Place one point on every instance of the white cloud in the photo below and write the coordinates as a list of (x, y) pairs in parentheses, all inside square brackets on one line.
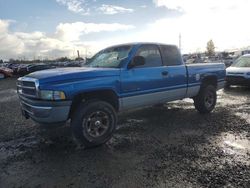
[(4, 24), (76, 6), (73, 31), (64, 42), (224, 21), (82, 7), (200, 6), (112, 9)]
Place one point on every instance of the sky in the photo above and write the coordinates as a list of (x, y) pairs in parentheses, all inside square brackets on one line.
[(48, 29)]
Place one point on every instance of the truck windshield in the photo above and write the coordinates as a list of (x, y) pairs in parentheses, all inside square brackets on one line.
[(110, 57), (242, 62)]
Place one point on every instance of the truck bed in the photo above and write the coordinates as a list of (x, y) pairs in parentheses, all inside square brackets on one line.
[(197, 72)]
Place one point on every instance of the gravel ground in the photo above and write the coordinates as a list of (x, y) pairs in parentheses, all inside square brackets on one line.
[(163, 146)]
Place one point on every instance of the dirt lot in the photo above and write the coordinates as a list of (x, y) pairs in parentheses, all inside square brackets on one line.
[(164, 146)]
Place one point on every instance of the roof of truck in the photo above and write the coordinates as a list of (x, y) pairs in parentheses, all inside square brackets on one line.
[(140, 43)]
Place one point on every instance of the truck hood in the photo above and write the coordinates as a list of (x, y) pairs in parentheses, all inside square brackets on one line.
[(72, 73), (238, 71)]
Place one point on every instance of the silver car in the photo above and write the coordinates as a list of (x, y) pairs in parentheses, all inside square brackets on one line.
[(239, 72)]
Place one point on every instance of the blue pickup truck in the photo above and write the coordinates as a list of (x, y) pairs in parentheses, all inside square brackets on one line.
[(116, 79)]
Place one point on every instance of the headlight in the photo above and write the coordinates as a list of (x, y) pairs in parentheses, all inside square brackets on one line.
[(52, 95), (59, 95)]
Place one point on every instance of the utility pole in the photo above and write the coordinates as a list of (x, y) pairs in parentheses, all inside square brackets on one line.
[(180, 42), (78, 54)]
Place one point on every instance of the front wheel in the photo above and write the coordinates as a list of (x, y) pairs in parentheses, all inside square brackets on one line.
[(93, 122), (205, 101)]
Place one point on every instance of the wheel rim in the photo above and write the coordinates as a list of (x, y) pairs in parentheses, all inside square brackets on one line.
[(209, 99), (97, 124)]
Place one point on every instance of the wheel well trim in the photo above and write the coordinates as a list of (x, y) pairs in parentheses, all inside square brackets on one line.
[(79, 96)]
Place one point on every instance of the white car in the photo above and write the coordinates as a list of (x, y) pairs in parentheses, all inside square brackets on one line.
[(239, 72)]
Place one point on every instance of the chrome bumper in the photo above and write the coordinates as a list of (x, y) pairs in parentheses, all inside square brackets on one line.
[(45, 112)]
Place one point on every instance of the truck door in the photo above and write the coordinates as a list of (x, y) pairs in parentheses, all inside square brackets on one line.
[(176, 79), (145, 84)]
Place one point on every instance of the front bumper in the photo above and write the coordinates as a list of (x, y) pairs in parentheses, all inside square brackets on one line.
[(45, 112), (238, 80)]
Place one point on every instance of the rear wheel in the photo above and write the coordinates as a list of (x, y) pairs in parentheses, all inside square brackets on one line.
[(94, 122), (205, 101)]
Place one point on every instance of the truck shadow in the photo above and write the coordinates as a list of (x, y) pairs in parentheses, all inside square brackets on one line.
[(171, 124), (167, 124)]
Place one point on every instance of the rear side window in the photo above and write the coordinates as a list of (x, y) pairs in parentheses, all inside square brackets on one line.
[(170, 55), (151, 54)]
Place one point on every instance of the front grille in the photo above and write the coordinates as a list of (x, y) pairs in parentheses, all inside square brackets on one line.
[(236, 78), (27, 88), (29, 84), (236, 73), (28, 91)]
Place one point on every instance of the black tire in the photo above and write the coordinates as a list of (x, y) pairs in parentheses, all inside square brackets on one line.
[(93, 122), (205, 101)]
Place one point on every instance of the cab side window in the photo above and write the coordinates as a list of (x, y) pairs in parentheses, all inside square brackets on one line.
[(170, 55), (151, 54)]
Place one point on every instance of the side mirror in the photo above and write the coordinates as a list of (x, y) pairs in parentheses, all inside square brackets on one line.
[(137, 61)]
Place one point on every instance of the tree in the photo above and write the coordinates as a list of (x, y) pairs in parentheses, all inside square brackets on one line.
[(1, 61), (210, 48), (63, 59), (11, 60)]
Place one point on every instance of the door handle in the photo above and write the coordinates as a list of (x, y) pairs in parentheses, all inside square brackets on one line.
[(164, 73)]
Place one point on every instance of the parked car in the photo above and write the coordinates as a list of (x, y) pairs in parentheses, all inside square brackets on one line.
[(73, 64), (21, 69), (15, 68), (38, 67), (29, 68), (239, 72), (5, 72), (116, 79), (228, 61)]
